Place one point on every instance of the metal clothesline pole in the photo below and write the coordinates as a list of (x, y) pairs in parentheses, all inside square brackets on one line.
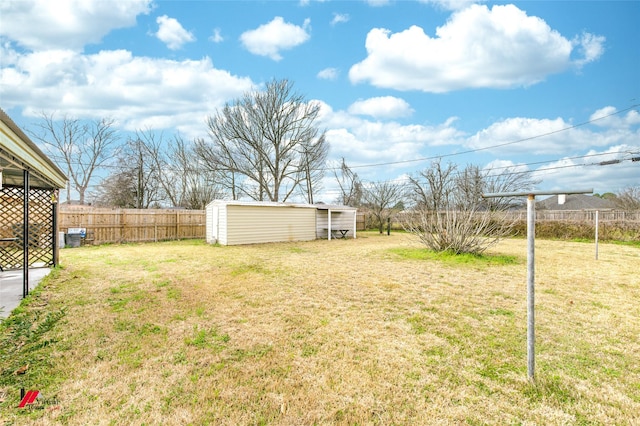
[(531, 235), (531, 295)]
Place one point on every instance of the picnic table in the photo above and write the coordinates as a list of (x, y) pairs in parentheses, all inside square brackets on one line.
[(343, 233), (338, 233)]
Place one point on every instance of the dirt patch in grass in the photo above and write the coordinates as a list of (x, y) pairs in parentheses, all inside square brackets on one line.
[(366, 331)]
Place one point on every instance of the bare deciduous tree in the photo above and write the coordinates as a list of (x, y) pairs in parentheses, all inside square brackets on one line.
[(628, 198), (194, 185), (139, 164), (350, 186), (82, 147), (381, 199), (155, 171), (117, 190), (157, 182), (313, 157), (266, 144), (207, 157)]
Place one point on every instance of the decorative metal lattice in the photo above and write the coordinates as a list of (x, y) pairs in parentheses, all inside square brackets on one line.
[(41, 232)]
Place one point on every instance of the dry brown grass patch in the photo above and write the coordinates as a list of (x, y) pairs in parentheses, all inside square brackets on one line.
[(340, 332)]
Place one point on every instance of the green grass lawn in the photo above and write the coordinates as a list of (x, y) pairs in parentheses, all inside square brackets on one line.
[(368, 331)]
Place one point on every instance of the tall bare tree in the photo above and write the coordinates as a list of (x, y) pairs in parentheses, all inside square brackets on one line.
[(156, 181), (382, 201), (140, 165), (266, 144), (193, 184), (79, 147), (118, 189), (628, 198), (351, 191), (227, 177), (313, 157), (155, 171), (136, 179)]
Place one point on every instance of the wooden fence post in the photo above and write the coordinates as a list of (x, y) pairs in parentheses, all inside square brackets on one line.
[(177, 225), (123, 232)]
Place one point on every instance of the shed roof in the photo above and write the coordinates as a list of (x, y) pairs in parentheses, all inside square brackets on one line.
[(279, 204), (18, 153)]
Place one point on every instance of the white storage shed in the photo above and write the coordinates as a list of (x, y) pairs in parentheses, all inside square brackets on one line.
[(251, 222)]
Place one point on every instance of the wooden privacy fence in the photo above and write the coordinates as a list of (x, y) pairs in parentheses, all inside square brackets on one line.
[(623, 219), (360, 221), (132, 225), (579, 215)]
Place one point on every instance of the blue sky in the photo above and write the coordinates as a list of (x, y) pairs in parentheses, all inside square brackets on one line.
[(547, 86)]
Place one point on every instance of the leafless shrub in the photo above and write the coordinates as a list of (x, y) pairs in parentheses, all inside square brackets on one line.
[(458, 231), (450, 213)]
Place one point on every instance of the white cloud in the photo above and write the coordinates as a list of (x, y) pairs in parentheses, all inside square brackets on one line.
[(136, 91), (271, 38), (171, 33), (496, 167), (520, 135), (591, 47), (374, 142), (382, 107), (328, 74), (609, 117), (524, 135), (577, 173), (478, 47), (340, 18), (363, 141), (66, 24), (217, 36)]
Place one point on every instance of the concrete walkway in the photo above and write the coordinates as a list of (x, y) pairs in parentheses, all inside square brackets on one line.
[(11, 287)]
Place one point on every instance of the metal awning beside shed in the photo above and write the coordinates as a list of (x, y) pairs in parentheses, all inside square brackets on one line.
[(28, 202), (340, 220)]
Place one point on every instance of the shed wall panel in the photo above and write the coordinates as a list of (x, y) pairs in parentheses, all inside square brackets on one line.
[(265, 224), (212, 224), (222, 224)]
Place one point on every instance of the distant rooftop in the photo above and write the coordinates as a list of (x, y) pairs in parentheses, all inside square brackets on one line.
[(576, 202)]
